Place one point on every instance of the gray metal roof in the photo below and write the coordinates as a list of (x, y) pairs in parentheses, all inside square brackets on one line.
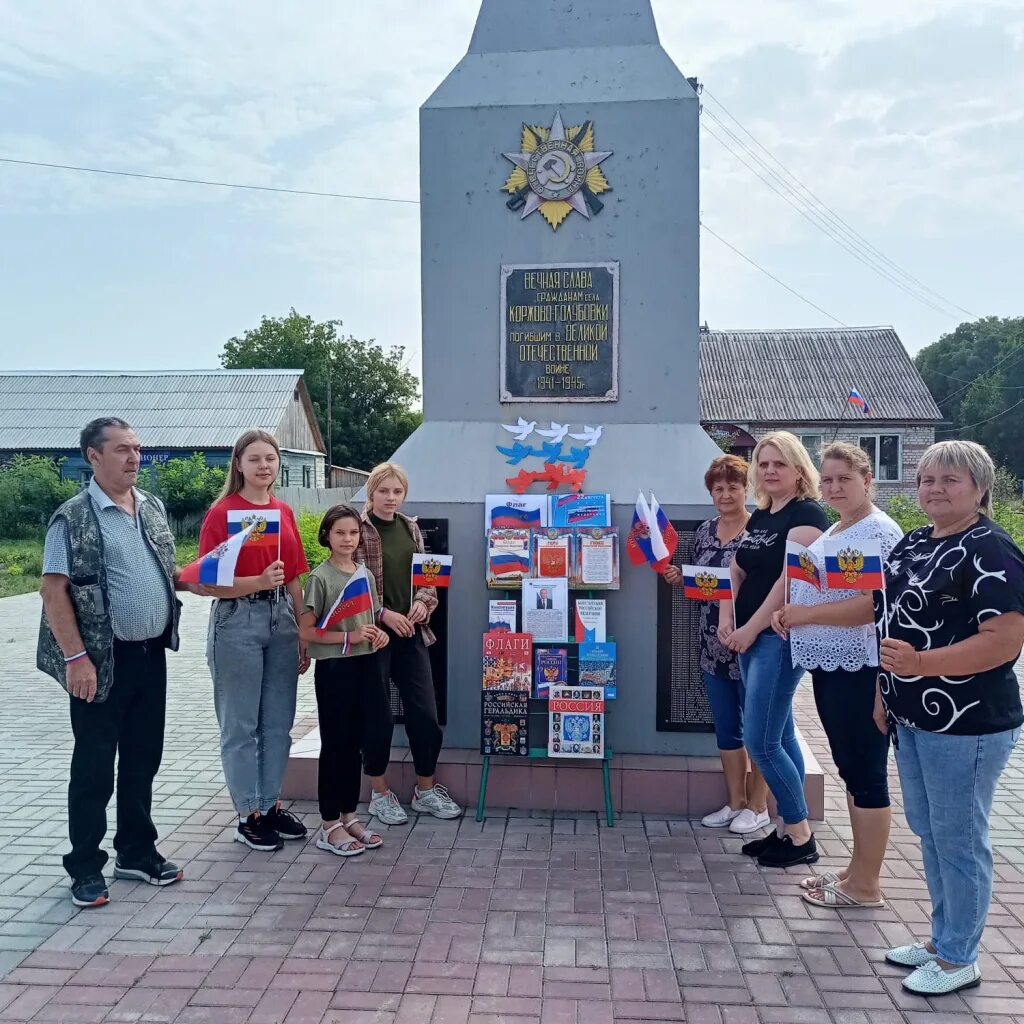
[(174, 409), (806, 375)]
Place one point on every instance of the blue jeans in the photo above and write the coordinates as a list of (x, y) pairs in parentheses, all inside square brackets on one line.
[(769, 681), (726, 699), (948, 785), (252, 649)]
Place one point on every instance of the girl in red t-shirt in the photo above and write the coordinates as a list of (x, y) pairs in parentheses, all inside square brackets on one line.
[(253, 646)]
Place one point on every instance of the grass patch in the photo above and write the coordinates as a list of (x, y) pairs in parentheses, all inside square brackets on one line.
[(21, 565)]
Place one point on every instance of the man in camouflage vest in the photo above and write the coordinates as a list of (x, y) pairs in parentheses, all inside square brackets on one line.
[(109, 615)]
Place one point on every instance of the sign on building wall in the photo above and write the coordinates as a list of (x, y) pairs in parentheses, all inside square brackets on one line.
[(560, 332)]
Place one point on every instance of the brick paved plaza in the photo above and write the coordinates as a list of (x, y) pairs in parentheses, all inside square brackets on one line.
[(552, 919)]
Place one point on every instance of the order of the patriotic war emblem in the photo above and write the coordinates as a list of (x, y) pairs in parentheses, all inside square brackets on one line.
[(557, 171)]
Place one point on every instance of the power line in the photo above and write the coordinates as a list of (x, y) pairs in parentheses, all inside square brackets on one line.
[(835, 217), (203, 181), (968, 426), (811, 215), (767, 273), (998, 364)]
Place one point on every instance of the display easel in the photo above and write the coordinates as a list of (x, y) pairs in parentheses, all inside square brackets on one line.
[(541, 753)]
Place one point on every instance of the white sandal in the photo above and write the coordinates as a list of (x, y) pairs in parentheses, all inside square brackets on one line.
[(370, 840), (835, 899), (819, 881), (350, 849)]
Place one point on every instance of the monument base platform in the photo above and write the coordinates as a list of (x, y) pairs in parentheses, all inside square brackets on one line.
[(652, 784)]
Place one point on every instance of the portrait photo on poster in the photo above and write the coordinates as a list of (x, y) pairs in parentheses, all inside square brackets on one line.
[(546, 608)]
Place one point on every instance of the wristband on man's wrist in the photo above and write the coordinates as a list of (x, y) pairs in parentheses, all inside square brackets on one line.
[(75, 657)]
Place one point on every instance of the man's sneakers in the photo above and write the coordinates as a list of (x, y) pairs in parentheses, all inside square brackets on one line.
[(89, 891), (152, 869), (749, 821), (386, 809), (435, 801), (257, 834), (284, 823)]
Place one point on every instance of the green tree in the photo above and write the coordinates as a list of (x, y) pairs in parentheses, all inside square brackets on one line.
[(187, 486), (976, 374), (373, 396), (30, 491)]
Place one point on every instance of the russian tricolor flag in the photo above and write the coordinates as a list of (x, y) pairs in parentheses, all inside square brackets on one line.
[(355, 598), (652, 538), (801, 565), (855, 565), (217, 567), (507, 563), (707, 583), (431, 570), (505, 517), (266, 526), (856, 399)]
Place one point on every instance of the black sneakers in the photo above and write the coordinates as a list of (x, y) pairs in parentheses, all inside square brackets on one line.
[(257, 834), (284, 823), (757, 846), (785, 853), (152, 869), (89, 891)]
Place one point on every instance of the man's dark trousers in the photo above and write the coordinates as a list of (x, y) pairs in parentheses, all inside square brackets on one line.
[(129, 724)]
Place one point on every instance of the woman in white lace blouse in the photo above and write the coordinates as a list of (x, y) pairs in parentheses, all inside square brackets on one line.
[(832, 635)]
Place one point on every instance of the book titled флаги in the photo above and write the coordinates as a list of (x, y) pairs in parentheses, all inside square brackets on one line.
[(507, 663)]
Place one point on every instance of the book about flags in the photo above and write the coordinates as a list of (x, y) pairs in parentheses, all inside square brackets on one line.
[(431, 570), (801, 565), (707, 583), (854, 565), (264, 526), (353, 599), (217, 567), (652, 538)]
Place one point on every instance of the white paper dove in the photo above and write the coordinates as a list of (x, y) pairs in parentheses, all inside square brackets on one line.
[(556, 432), (590, 436), (522, 430)]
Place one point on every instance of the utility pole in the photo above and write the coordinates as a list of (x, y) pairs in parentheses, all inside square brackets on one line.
[(330, 458)]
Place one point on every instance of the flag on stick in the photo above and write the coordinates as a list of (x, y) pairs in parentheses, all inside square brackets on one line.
[(217, 567), (854, 565), (355, 598), (265, 526), (666, 533), (707, 583), (652, 538), (638, 544), (801, 565), (856, 399)]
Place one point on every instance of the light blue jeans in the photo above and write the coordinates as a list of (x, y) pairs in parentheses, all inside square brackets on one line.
[(253, 652), (769, 682), (948, 785)]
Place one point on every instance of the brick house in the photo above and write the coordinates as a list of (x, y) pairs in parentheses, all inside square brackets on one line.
[(752, 382)]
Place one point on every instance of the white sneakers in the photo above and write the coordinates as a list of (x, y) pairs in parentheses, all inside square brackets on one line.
[(740, 822), (749, 821), (386, 809), (719, 818)]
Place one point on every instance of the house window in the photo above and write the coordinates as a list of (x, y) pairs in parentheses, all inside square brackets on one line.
[(813, 443), (307, 476), (284, 476), (885, 453)]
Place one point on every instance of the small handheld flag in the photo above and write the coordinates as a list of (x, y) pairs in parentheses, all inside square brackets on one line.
[(707, 583), (431, 570), (801, 565), (666, 532), (355, 598), (265, 526), (652, 538), (854, 565), (856, 399), (217, 567), (638, 544)]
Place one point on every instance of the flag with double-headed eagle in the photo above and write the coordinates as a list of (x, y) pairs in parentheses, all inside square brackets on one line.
[(707, 583), (354, 599), (265, 523), (854, 565), (431, 570), (801, 565), (217, 567), (652, 538)]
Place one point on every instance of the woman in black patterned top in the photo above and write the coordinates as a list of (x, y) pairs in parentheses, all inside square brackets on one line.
[(714, 545), (952, 628)]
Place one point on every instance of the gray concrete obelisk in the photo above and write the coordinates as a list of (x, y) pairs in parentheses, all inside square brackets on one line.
[(555, 64)]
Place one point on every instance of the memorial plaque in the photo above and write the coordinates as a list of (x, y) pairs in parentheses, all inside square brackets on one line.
[(560, 332)]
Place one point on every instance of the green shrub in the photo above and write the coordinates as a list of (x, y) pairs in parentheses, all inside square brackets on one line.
[(187, 487), (309, 527), (30, 491), (907, 513)]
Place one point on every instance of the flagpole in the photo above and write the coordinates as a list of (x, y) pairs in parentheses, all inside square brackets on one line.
[(841, 418)]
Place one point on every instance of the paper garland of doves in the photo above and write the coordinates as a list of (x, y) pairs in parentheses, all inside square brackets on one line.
[(559, 468)]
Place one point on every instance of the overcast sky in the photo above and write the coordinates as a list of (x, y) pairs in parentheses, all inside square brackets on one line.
[(905, 116)]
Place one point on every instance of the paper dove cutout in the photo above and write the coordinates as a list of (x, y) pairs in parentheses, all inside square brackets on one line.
[(556, 433), (591, 435), (522, 429)]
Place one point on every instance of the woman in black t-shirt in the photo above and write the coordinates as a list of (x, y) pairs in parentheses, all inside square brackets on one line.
[(953, 630), (785, 486)]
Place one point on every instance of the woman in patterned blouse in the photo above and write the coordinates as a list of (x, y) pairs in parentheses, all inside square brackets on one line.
[(952, 629), (714, 545)]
